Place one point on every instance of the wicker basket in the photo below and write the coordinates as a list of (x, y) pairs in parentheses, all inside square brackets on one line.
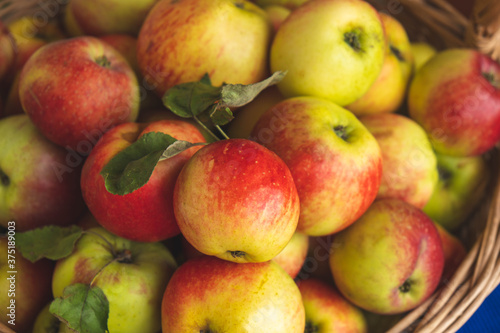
[(440, 24)]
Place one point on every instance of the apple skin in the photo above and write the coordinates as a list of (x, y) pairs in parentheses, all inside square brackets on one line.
[(32, 287), (236, 200), (277, 14), (461, 186), (293, 255), (150, 204), (135, 284), (247, 116), (46, 322), (7, 51), (127, 46), (454, 253), (290, 4), (103, 17), (422, 52), (409, 163), (207, 294), (455, 103), (327, 311), (312, 44), (388, 91), (73, 99), (390, 260), (337, 179), (181, 41), (38, 185)]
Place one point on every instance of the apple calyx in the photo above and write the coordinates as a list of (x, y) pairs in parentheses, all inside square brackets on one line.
[(492, 79), (353, 39), (124, 257), (311, 328), (444, 175), (4, 179), (103, 61), (397, 53), (341, 132), (237, 254), (406, 286)]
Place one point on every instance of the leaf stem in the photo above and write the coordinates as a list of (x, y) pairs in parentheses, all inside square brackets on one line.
[(206, 128), (222, 132)]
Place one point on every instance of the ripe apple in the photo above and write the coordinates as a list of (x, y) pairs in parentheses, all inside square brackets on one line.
[(127, 46), (293, 255), (327, 310), (454, 252), (290, 4), (247, 116), (7, 51), (388, 91), (82, 96), (151, 205), (461, 186), (25, 286), (181, 41), (455, 97), (409, 163), (207, 294), (236, 200), (332, 49), (422, 52), (135, 279), (335, 162), (390, 260), (277, 14), (39, 184), (46, 322), (102, 17)]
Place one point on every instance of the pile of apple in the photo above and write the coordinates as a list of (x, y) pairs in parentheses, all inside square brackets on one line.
[(229, 166)]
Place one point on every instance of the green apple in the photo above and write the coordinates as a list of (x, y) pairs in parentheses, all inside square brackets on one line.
[(132, 275), (46, 322), (335, 162), (332, 49), (328, 311), (409, 163), (422, 52), (207, 294), (25, 285), (102, 17), (390, 260), (461, 186), (39, 181), (389, 89), (236, 200), (181, 41)]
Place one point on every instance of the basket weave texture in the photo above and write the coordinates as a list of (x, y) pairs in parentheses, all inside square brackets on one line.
[(442, 25)]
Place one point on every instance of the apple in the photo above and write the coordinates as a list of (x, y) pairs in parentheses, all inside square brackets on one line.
[(455, 97), (135, 277), (152, 203), (39, 181), (181, 41), (207, 294), (327, 310), (388, 91), (236, 200), (335, 162), (461, 186), (422, 52), (454, 252), (247, 116), (127, 46), (76, 100), (294, 254), (46, 322), (7, 51), (409, 163), (25, 286), (390, 260), (290, 4), (103, 17), (277, 14), (332, 49)]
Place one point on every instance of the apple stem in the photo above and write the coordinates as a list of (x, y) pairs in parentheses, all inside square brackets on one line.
[(222, 132), (111, 247), (103, 61)]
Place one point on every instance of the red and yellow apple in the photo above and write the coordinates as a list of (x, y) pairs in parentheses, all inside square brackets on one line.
[(294, 254)]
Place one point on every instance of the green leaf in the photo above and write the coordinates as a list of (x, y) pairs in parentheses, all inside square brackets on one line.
[(131, 168), (221, 116), (178, 147), (236, 95), (189, 99), (82, 308), (50, 242)]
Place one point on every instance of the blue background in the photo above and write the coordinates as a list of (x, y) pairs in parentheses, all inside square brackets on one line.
[(487, 317)]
